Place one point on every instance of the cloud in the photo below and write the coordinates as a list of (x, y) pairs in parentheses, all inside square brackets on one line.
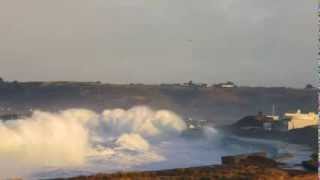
[(149, 41)]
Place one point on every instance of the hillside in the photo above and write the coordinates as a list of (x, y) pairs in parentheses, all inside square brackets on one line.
[(218, 105)]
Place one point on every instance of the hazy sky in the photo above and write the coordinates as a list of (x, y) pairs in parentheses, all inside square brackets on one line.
[(251, 42)]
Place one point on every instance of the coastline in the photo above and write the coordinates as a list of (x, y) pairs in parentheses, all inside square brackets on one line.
[(274, 149)]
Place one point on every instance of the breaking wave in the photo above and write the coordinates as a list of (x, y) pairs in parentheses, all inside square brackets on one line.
[(80, 142), (79, 137)]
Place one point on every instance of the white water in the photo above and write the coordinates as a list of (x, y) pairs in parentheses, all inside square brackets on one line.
[(77, 142)]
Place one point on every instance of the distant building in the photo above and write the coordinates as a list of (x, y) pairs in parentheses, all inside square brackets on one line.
[(301, 120), (274, 123), (195, 85), (228, 84), (273, 116), (296, 120)]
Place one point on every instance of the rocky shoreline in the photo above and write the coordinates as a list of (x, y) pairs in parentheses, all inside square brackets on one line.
[(249, 167)]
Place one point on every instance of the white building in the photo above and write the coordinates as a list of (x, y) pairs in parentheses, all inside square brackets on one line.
[(275, 118), (300, 120), (228, 86)]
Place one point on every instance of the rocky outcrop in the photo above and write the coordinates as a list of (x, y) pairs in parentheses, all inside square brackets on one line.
[(306, 136), (258, 159), (252, 167), (312, 164)]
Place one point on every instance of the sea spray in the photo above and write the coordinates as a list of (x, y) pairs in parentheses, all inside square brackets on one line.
[(72, 138)]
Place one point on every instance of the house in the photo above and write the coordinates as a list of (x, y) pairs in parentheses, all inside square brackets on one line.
[(296, 120), (273, 116), (228, 84), (300, 120), (273, 123)]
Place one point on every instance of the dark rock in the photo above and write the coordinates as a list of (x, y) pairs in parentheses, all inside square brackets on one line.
[(257, 159), (312, 164)]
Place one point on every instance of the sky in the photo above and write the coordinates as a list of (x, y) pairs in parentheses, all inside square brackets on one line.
[(250, 42)]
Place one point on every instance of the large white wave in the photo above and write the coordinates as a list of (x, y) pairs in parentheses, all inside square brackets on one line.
[(78, 141), (78, 137)]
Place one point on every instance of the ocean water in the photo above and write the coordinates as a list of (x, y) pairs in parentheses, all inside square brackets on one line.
[(81, 142)]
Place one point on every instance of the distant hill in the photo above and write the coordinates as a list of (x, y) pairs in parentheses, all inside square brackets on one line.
[(215, 104)]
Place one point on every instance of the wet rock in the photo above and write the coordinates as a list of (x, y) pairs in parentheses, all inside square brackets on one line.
[(311, 164), (246, 167)]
